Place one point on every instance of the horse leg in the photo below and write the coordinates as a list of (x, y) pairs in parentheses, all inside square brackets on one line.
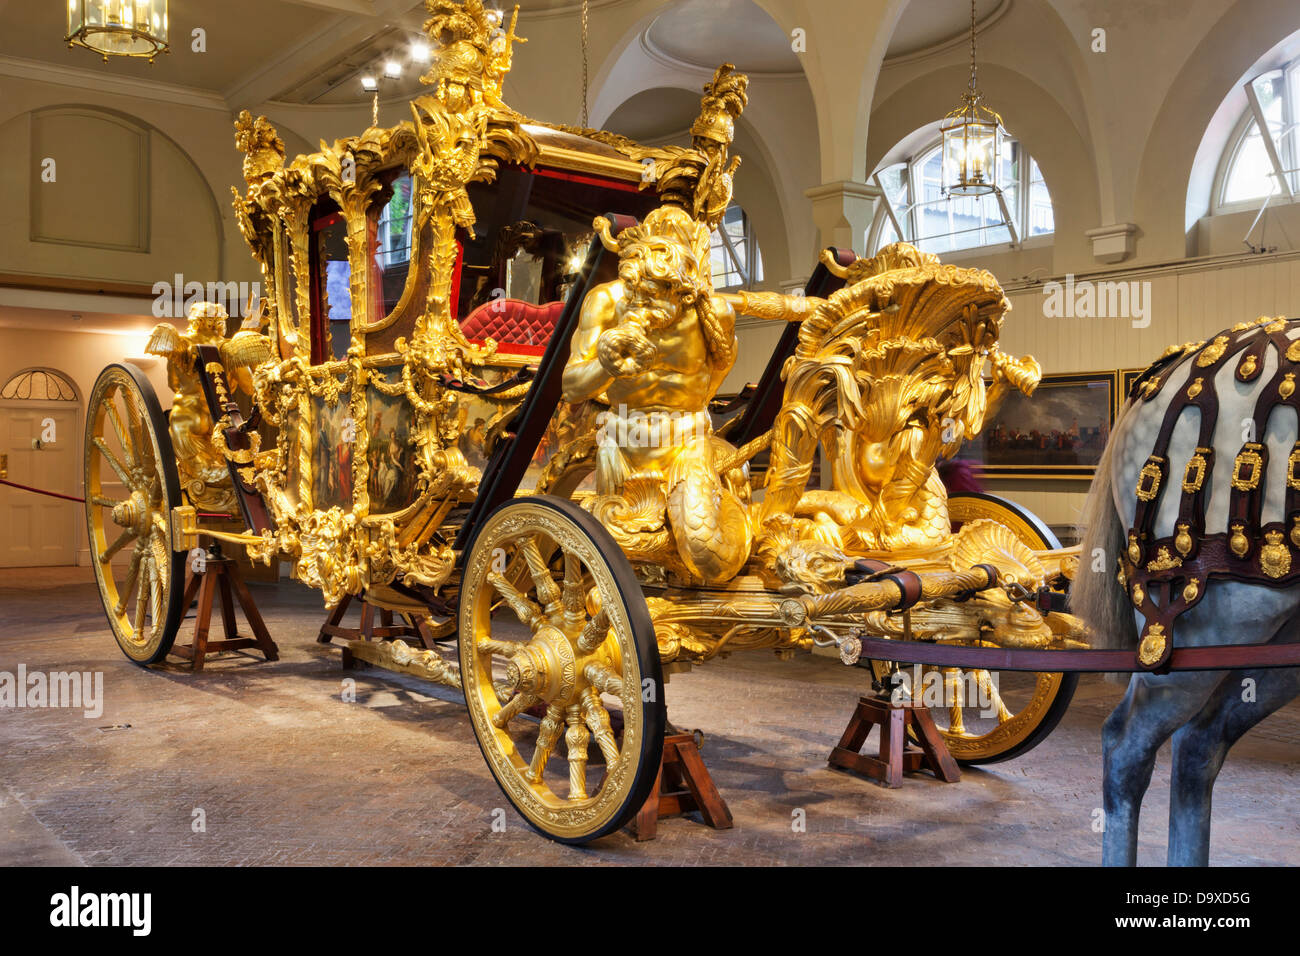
[(1154, 706), (1201, 746)]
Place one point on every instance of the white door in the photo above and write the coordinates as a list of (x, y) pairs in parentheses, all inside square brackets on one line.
[(36, 530)]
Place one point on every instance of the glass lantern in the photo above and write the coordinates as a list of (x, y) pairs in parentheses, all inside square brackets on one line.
[(972, 146), (134, 28)]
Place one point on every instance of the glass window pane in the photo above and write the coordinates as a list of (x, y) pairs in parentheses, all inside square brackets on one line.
[(1041, 218), (893, 180), (726, 263), (1250, 175), (390, 245), (332, 272), (888, 234)]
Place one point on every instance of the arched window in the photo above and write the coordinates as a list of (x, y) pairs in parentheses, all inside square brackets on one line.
[(736, 261), (1262, 156), (916, 209), (39, 385)]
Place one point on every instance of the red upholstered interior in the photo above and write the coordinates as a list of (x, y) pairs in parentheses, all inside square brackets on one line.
[(513, 322)]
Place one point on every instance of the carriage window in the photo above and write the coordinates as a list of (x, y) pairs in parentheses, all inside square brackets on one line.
[(390, 221), (531, 237), (331, 291)]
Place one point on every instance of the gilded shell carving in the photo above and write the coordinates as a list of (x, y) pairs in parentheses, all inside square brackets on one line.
[(988, 542)]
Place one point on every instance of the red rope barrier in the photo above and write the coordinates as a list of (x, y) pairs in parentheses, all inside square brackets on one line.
[(39, 491), (55, 494)]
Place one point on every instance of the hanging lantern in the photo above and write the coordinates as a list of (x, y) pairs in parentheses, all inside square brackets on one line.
[(136, 28), (972, 139)]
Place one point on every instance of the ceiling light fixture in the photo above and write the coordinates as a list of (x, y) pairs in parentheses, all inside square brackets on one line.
[(972, 139), (392, 69), (369, 83), (420, 51), (134, 28)]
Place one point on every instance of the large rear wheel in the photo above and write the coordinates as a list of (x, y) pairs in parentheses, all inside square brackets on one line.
[(553, 621), (131, 487)]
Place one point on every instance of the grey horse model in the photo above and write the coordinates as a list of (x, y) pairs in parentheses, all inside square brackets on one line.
[(1205, 712)]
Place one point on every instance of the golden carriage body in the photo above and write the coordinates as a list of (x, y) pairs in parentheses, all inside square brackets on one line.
[(477, 388)]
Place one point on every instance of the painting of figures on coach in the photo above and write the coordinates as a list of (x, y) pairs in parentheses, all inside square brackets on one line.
[(389, 452), (1059, 432), (331, 464)]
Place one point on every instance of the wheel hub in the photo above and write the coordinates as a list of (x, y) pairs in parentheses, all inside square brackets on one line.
[(545, 666), (133, 513)]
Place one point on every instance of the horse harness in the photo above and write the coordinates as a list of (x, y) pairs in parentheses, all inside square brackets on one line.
[(1166, 576)]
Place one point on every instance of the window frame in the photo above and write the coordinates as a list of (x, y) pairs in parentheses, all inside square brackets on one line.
[(1018, 226), (750, 272), (1288, 149)]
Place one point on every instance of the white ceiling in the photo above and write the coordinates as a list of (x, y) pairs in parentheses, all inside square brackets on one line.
[(701, 32), (931, 23), (313, 51)]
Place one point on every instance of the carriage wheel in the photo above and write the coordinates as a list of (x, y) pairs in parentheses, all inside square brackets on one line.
[(131, 488), (1017, 710), (552, 620)]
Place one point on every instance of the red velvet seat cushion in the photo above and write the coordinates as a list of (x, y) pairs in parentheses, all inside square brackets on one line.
[(513, 322)]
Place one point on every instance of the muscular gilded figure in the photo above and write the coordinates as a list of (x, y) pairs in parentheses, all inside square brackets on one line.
[(655, 344), (202, 467)]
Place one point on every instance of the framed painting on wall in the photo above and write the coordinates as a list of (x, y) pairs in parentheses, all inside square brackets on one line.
[(1127, 376), (1058, 432)]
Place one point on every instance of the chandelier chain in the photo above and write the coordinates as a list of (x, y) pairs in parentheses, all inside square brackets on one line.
[(972, 46), (584, 64)]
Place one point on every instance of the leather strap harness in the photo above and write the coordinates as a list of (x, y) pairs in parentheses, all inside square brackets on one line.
[(1166, 576)]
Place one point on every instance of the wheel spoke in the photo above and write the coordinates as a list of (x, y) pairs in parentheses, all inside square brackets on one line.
[(516, 706), (597, 719), (132, 572), (984, 681), (117, 466), (104, 502), (158, 545), (106, 555), (527, 612), (155, 598), (548, 592), (488, 645), (128, 446), (136, 420), (576, 739), (547, 737), (594, 634), (574, 595), (139, 602), (603, 679), (952, 692)]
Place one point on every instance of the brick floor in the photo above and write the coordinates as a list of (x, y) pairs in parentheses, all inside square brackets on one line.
[(285, 772)]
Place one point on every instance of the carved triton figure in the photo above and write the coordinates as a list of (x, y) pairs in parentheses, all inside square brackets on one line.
[(655, 344)]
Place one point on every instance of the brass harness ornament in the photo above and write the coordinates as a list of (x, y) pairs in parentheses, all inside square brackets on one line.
[(1245, 548)]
